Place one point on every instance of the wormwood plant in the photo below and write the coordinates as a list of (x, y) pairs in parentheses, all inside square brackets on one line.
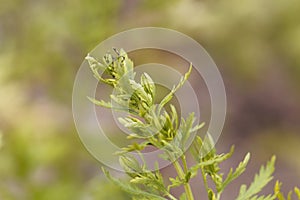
[(159, 126)]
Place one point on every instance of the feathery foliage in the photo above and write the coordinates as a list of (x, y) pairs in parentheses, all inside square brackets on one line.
[(151, 125), (260, 181)]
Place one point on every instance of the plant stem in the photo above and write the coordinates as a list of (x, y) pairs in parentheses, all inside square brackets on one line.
[(204, 180), (181, 175), (185, 168), (171, 196)]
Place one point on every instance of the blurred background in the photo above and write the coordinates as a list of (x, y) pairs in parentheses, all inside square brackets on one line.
[(255, 44)]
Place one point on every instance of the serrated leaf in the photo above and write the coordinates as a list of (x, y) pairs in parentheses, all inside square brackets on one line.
[(175, 182), (94, 64), (210, 164), (148, 85), (106, 104), (260, 180), (238, 171), (129, 188), (196, 147), (169, 96), (207, 149), (100, 102), (186, 128), (132, 147), (130, 165)]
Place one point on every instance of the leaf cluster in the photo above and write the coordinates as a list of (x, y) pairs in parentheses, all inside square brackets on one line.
[(151, 124)]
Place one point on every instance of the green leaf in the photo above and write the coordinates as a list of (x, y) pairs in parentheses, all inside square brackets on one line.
[(174, 116), (106, 104), (138, 128), (279, 194), (186, 128), (277, 191), (94, 64), (211, 195), (196, 147), (130, 165), (233, 175), (260, 180), (135, 191), (297, 192), (100, 102), (153, 181), (209, 163), (169, 96), (175, 182), (183, 196), (208, 147), (133, 147), (148, 85)]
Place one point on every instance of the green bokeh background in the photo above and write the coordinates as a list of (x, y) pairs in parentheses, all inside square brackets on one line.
[(256, 45)]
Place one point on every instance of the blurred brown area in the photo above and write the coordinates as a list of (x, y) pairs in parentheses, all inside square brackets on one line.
[(254, 43)]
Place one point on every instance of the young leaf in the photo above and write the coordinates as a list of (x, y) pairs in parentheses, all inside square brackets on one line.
[(148, 85), (169, 96), (297, 192), (277, 191), (175, 182), (211, 195), (233, 175), (100, 103), (279, 194), (135, 191), (131, 166), (260, 180)]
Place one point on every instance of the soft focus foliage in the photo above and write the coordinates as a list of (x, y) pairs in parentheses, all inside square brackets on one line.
[(255, 44)]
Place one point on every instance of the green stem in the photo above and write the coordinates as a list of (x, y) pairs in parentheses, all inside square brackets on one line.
[(181, 175), (204, 180), (218, 196), (185, 167), (171, 196)]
